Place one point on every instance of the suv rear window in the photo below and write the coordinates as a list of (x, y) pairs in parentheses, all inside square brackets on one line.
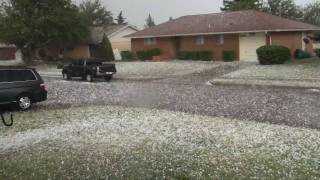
[(16, 75)]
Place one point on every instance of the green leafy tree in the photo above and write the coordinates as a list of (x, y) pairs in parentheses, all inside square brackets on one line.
[(283, 8), (39, 23), (236, 5), (96, 13), (120, 19), (105, 50), (150, 22), (312, 13)]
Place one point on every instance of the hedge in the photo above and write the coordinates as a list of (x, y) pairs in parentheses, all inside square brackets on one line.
[(195, 55), (126, 55), (301, 54), (148, 54), (228, 56), (317, 51), (273, 54)]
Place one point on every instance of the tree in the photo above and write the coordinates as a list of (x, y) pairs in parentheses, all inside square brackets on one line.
[(149, 22), (236, 5), (105, 51), (120, 19), (96, 13), (312, 13), (283, 8), (39, 23)]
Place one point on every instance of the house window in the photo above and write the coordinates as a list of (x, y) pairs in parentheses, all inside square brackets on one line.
[(150, 41), (220, 39), (200, 40)]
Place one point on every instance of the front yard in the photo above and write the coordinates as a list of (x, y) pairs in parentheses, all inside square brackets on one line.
[(131, 143), (306, 70)]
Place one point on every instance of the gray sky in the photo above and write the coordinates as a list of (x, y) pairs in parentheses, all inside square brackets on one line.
[(136, 11)]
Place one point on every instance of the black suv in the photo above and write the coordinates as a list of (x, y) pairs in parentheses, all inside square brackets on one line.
[(21, 86)]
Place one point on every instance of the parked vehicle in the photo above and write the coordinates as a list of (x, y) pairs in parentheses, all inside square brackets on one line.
[(21, 86), (88, 69)]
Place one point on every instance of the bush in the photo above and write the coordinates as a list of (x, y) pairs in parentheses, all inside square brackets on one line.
[(105, 51), (300, 54), (126, 55), (148, 54), (273, 54), (229, 56), (317, 51), (195, 55)]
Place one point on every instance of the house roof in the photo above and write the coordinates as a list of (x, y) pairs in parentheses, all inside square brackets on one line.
[(98, 32), (223, 23)]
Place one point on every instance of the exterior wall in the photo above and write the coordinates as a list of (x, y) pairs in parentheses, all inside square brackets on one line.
[(7, 53), (231, 42), (167, 45), (292, 40), (171, 45), (121, 46), (120, 42), (81, 51)]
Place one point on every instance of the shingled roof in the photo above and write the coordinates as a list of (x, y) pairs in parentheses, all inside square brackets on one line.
[(223, 23)]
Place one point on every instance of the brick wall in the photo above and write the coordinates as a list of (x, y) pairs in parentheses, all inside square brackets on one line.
[(170, 45), (231, 42), (7, 53), (167, 45), (291, 40)]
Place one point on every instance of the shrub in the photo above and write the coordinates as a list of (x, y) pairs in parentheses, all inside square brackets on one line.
[(229, 56), (273, 54), (148, 54), (195, 55), (317, 51), (126, 55), (205, 55), (105, 51), (301, 54)]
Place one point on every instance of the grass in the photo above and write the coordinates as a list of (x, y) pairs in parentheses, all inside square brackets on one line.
[(132, 143)]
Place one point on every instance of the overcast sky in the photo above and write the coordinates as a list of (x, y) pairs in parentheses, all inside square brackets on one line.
[(136, 11)]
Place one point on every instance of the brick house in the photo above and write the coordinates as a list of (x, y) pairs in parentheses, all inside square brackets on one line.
[(240, 31)]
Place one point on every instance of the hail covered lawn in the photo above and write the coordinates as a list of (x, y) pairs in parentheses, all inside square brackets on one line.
[(117, 142)]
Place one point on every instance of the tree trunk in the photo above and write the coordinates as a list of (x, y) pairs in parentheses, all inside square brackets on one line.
[(27, 55)]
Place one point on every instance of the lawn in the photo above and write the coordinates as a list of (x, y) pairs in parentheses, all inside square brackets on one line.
[(306, 70), (136, 143)]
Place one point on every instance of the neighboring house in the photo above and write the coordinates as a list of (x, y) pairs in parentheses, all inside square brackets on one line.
[(88, 48), (240, 31), (9, 53)]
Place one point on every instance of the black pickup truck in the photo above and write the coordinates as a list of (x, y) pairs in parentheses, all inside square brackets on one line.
[(88, 69)]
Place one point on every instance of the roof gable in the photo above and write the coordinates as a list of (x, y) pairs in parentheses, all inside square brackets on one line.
[(227, 22)]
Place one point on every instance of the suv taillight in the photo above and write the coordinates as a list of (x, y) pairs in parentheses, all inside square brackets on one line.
[(43, 87)]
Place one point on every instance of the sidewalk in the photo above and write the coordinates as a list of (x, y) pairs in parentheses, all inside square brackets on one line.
[(270, 83)]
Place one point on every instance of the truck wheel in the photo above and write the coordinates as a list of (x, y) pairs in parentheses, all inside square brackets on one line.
[(66, 76), (108, 77), (89, 78)]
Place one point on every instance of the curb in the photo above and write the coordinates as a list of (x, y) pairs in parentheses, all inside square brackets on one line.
[(267, 83)]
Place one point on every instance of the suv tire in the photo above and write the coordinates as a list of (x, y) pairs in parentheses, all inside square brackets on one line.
[(24, 102)]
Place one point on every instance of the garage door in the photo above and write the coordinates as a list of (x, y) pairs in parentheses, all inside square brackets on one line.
[(249, 43)]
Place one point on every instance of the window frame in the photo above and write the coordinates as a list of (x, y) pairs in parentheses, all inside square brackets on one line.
[(220, 39), (35, 76), (150, 41), (200, 40)]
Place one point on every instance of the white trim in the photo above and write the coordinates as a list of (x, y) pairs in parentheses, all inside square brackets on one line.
[(233, 32)]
